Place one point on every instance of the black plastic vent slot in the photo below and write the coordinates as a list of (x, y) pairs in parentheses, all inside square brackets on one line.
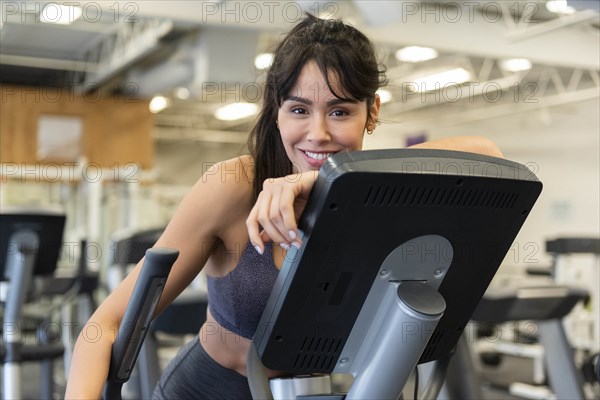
[(317, 353), (438, 197)]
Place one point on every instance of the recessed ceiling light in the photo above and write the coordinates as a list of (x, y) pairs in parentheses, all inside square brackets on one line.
[(263, 60), (235, 111), (53, 13), (384, 95), (416, 54), (516, 64), (182, 93), (439, 80), (158, 103), (559, 7)]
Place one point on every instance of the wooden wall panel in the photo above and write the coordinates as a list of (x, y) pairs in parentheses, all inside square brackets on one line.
[(115, 130)]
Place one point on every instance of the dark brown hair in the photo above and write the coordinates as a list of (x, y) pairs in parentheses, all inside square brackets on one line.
[(334, 47)]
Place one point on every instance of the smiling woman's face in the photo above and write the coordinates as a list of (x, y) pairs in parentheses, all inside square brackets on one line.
[(314, 123)]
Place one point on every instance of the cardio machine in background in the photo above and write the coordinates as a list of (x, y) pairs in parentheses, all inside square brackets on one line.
[(563, 360), (30, 243), (576, 262), (398, 248), (33, 291)]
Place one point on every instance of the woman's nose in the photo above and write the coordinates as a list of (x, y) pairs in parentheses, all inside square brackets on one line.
[(318, 130)]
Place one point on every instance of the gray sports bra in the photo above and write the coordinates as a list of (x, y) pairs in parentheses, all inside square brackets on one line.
[(237, 300)]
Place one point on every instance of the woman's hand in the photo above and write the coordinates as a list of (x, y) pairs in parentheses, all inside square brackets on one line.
[(278, 209)]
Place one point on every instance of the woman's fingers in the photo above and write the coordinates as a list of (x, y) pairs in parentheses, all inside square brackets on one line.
[(275, 211), (289, 226), (269, 216), (253, 230), (265, 214)]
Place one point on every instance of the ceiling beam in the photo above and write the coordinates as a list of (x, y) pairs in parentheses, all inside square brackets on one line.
[(483, 33), (475, 28), (47, 63)]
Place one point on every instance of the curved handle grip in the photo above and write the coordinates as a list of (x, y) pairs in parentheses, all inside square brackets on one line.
[(138, 316), (598, 367)]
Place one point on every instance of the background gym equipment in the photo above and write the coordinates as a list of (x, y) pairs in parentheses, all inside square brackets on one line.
[(137, 318), (546, 307), (30, 243), (184, 316), (576, 262), (398, 248), (127, 248), (561, 353)]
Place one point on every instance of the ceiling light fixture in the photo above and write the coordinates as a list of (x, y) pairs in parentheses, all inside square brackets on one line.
[(182, 93), (515, 64), (559, 7), (263, 60), (53, 13), (415, 54), (158, 103), (439, 80), (235, 111), (384, 95)]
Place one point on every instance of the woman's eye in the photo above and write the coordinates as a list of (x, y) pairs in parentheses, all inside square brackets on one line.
[(339, 113), (299, 110)]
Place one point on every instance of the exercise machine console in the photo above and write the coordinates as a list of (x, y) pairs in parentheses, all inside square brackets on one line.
[(398, 248)]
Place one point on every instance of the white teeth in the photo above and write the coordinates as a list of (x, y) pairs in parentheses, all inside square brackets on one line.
[(317, 156)]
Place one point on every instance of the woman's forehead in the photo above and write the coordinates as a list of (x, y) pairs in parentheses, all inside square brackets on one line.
[(311, 84)]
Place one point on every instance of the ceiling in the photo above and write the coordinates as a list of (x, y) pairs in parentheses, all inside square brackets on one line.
[(208, 47)]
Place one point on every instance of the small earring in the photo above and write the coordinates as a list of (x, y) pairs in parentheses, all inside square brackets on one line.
[(370, 131)]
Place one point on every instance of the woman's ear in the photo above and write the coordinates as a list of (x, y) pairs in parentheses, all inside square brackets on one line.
[(374, 113)]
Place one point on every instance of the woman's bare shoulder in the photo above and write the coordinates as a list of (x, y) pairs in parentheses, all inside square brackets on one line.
[(230, 177), (226, 187)]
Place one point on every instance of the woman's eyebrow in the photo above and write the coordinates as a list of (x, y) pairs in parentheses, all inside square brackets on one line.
[(332, 102), (299, 100)]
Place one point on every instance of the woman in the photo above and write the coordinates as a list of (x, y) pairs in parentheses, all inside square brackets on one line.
[(319, 99)]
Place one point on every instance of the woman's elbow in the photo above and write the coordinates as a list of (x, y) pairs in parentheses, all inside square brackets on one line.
[(489, 147)]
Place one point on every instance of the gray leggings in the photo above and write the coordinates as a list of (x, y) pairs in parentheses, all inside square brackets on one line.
[(193, 374)]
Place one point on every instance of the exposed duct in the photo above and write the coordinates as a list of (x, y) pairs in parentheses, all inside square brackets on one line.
[(212, 58)]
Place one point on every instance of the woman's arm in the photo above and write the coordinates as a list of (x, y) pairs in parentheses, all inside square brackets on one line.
[(470, 144), (193, 230)]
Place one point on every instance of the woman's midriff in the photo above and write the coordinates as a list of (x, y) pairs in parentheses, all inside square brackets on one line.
[(225, 347)]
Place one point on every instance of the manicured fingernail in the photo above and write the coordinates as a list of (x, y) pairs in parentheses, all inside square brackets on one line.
[(285, 246), (296, 245), (258, 249), (292, 234)]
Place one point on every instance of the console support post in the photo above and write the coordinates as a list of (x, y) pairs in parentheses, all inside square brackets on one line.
[(412, 316)]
